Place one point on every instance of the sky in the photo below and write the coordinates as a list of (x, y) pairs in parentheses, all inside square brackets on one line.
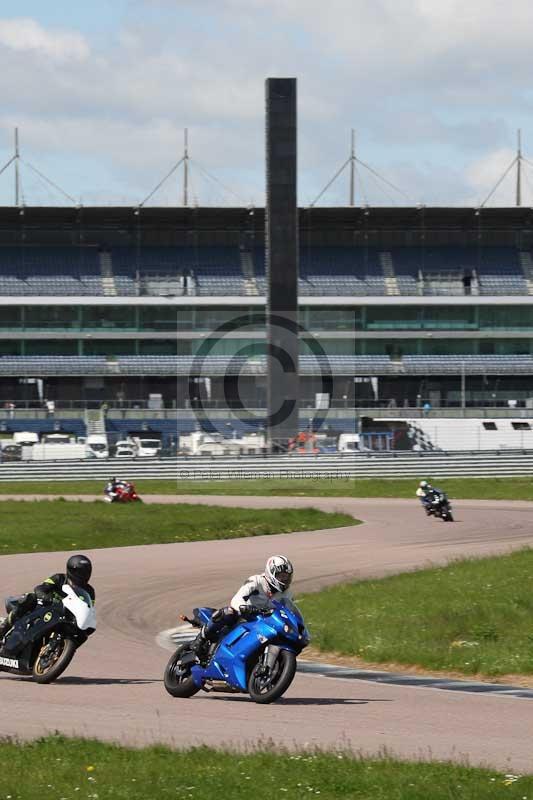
[(101, 93)]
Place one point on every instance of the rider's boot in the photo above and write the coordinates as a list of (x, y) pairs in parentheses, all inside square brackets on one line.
[(5, 625), (200, 645)]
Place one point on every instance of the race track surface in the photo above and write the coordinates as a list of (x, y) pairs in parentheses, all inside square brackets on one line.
[(113, 690)]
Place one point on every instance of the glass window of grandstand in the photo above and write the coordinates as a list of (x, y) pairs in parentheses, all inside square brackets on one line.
[(51, 317), (10, 317), (110, 349), (331, 347), (416, 318), (512, 347), (10, 347), (208, 319), (445, 347), (449, 317), (393, 318), (97, 317), (165, 318), (158, 347), (228, 347), (50, 347), (334, 319), (507, 317)]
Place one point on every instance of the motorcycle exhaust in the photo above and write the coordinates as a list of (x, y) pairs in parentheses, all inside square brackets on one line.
[(220, 686)]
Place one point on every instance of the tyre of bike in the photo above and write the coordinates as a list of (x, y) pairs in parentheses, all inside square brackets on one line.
[(267, 690), (53, 659), (179, 682)]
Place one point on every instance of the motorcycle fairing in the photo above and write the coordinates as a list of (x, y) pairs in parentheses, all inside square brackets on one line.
[(80, 605), (31, 627), (229, 662), (203, 615), (19, 664)]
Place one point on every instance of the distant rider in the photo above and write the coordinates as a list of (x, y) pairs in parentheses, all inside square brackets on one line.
[(425, 493), (111, 488), (254, 596), (78, 573)]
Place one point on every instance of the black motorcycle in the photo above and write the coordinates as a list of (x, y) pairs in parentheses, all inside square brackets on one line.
[(43, 642), (439, 506)]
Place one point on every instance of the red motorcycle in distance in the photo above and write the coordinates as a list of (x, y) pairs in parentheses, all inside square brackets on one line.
[(121, 492)]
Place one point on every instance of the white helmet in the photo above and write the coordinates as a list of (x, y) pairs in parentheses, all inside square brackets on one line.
[(424, 485), (279, 572)]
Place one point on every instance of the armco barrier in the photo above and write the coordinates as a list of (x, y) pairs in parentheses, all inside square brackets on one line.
[(363, 465)]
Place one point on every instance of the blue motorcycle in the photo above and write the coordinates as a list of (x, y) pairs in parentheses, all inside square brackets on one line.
[(256, 656)]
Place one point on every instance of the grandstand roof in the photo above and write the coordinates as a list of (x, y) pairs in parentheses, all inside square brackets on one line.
[(212, 218)]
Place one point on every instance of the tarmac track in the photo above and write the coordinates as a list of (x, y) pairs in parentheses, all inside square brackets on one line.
[(114, 691)]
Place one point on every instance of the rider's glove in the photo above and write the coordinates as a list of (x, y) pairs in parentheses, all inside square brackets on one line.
[(251, 611)]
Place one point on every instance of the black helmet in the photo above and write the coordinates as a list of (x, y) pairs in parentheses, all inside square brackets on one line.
[(79, 569)]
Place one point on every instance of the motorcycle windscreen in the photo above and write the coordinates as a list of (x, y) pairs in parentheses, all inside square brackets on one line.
[(81, 607)]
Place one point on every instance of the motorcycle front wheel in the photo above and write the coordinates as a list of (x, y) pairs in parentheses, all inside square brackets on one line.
[(53, 659), (267, 688), (179, 682)]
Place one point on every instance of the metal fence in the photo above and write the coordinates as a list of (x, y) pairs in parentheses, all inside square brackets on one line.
[(323, 466)]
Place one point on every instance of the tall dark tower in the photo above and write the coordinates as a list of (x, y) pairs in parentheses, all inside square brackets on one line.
[(281, 235)]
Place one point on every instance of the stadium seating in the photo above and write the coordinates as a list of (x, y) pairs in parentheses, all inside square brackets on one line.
[(469, 364), (50, 271), (190, 270), (217, 271)]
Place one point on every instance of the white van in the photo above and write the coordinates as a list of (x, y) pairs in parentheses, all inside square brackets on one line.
[(96, 446), (25, 438), (349, 443), (147, 448), (125, 448)]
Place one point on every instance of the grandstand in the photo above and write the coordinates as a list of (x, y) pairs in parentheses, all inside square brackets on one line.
[(398, 307)]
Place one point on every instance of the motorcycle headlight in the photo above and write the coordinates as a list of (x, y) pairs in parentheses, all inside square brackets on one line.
[(289, 630)]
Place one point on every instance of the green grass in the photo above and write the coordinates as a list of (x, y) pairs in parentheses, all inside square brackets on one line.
[(48, 525), (459, 488), (55, 767), (473, 616)]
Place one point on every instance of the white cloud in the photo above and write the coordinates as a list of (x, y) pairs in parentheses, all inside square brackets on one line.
[(435, 85), (26, 35)]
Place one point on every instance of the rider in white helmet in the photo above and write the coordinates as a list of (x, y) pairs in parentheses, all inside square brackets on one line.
[(254, 596), (424, 492)]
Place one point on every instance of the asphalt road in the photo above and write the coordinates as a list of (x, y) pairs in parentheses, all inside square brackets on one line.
[(113, 690)]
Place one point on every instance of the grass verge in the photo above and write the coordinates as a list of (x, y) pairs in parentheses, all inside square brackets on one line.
[(458, 488), (48, 525), (471, 617), (56, 767)]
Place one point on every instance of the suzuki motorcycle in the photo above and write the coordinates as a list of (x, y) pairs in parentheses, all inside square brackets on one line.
[(257, 656), (125, 492), (440, 506), (43, 643)]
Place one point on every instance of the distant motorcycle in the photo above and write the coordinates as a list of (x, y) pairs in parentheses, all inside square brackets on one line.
[(124, 492), (43, 643), (257, 656), (440, 506)]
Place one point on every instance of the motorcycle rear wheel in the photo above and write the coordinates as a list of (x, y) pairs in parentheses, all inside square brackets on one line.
[(286, 663), (47, 674), (179, 683)]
